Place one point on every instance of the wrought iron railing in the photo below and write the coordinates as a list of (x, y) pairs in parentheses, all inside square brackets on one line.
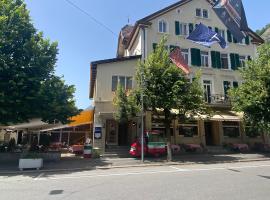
[(218, 99)]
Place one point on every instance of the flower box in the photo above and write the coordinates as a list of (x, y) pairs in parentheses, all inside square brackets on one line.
[(30, 163)]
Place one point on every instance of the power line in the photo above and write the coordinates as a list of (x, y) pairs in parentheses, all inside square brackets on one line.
[(91, 17)]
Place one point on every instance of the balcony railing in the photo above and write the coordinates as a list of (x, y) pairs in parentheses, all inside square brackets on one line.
[(218, 99)]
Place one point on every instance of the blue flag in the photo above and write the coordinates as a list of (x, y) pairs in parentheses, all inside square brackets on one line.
[(232, 14), (206, 37)]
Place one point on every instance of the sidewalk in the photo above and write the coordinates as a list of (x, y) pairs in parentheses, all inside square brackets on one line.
[(73, 163)]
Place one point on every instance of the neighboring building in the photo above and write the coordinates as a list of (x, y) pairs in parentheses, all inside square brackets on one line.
[(219, 73)]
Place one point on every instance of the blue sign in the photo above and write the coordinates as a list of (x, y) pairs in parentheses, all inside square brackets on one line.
[(98, 132)]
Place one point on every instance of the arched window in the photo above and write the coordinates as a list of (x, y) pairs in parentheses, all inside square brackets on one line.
[(162, 26)]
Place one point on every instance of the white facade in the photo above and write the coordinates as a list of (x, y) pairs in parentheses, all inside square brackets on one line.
[(147, 33)]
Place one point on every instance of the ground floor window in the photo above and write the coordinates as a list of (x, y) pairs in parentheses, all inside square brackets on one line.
[(252, 132), (231, 129), (188, 129)]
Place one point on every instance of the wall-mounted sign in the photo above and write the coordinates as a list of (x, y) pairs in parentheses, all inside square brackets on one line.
[(98, 132)]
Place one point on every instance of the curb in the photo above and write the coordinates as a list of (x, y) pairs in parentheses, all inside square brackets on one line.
[(139, 165)]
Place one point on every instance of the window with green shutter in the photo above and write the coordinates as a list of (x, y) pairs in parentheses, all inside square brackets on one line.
[(216, 59), (196, 57), (213, 59), (232, 57), (229, 36), (177, 28), (191, 27), (247, 40), (154, 46), (216, 30), (235, 40), (235, 61)]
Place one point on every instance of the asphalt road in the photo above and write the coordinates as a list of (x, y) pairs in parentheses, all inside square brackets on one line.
[(204, 182)]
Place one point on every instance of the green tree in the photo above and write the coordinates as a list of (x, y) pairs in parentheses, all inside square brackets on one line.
[(165, 87), (29, 87), (253, 96)]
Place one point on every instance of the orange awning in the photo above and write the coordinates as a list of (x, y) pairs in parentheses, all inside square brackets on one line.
[(85, 117)]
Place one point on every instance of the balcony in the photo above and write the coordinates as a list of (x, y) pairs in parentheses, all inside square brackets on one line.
[(218, 100)]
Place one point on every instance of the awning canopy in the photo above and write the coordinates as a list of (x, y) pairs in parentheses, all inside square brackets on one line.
[(85, 117)]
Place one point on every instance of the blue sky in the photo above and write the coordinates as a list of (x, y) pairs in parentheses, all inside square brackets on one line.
[(81, 40)]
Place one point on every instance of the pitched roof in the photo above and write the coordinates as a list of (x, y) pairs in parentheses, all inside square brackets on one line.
[(93, 69), (147, 19)]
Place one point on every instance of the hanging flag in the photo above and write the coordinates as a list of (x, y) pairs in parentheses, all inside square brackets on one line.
[(206, 37), (232, 14), (178, 59)]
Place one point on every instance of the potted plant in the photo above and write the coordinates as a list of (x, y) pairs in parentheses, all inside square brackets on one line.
[(30, 160)]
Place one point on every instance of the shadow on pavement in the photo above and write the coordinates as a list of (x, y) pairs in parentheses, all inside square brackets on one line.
[(69, 165)]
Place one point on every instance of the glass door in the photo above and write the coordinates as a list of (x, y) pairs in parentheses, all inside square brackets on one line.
[(207, 86)]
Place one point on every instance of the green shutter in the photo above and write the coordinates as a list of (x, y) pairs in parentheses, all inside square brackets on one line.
[(177, 28), (218, 60), (216, 30), (195, 57), (247, 40), (229, 36), (154, 46), (172, 47), (235, 40), (237, 61), (235, 84), (249, 58), (232, 57), (213, 59), (191, 27), (199, 61)]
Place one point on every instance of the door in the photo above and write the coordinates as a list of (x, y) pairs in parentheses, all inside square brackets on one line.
[(111, 132), (208, 133), (207, 86), (123, 134)]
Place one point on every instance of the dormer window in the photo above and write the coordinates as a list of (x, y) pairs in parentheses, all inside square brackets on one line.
[(202, 13), (162, 26), (205, 14)]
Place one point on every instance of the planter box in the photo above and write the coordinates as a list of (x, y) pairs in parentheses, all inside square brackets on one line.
[(27, 163)]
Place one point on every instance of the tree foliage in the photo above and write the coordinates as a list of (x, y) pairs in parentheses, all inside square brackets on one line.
[(28, 86), (165, 87), (253, 96), (125, 104)]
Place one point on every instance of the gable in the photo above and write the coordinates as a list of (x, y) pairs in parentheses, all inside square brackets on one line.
[(188, 10)]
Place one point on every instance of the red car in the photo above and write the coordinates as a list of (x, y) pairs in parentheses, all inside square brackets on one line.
[(154, 145)]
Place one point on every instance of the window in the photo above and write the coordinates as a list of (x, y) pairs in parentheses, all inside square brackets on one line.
[(204, 59), (189, 129), (185, 54), (224, 61), (162, 26), (122, 81), (205, 13), (226, 87), (125, 82), (198, 12), (231, 129), (207, 87), (114, 83), (128, 83), (242, 61), (183, 29), (222, 33)]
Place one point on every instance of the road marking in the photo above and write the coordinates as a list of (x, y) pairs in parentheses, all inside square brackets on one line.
[(179, 169), (39, 176), (175, 170)]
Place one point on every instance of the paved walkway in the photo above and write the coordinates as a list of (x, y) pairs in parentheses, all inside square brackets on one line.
[(79, 163)]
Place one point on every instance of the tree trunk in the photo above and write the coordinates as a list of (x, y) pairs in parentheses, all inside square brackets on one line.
[(167, 123)]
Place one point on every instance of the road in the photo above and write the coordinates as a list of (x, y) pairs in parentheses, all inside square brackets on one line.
[(203, 182)]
